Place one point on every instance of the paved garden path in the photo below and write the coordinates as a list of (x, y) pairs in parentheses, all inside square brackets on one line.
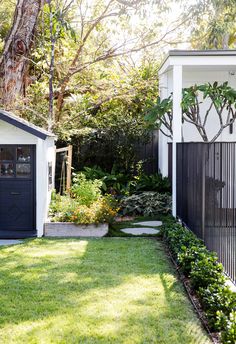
[(144, 227), (9, 242)]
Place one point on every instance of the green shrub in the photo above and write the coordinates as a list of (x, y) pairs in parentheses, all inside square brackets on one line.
[(86, 204), (146, 203), (66, 209), (179, 240), (206, 271), (86, 191), (119, 183), (228, 325), (115, 182), (217, 299), (153, 182), (188, 255), (206, 277)]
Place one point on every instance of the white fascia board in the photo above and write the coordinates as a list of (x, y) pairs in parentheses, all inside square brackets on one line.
[(203, 61), (213, 62), (165, 67)]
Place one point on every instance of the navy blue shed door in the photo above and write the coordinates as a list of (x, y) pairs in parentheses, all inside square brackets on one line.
[(17, 191)]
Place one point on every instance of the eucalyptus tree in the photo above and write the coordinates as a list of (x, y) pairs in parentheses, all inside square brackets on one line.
[(214, 25), (14, 58), (82, 49)]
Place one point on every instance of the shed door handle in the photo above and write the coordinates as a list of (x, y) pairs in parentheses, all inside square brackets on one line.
[(15, 193)]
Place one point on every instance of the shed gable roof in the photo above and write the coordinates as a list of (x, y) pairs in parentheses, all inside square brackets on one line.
[(24, 125)]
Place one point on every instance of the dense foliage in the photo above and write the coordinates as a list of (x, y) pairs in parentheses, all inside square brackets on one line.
[(119, 183), (85, 205), (148, 203), (206, 277), (213, 25)]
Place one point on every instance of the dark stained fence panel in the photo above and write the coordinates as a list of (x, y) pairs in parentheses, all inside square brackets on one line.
[(206, 196), (170, 162), (148, 153)]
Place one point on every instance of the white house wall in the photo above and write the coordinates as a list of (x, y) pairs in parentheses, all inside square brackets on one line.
[(191, 78), (189, 131), (45, 153)]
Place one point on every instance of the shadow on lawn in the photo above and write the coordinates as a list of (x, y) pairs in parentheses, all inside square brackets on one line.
[(55, 283)]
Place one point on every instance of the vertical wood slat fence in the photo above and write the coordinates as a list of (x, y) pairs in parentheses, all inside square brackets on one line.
[(206, 196)]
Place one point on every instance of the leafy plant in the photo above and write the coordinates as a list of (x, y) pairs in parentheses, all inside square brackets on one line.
[(206, 271), (218, 301), (206, 277), (87, 204), (153, 182), (119, 183), (146, 203), (66, 209), (115, 182), (86, 191), (228, 325)]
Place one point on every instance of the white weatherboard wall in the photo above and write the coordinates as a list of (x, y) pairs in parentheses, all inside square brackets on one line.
[(45, 153), (184, 69)]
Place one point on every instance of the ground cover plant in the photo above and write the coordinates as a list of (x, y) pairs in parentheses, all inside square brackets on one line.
[(112, 290), (206, 277), (148, 203)]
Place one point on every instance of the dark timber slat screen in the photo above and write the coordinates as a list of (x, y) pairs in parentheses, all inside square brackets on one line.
[(206, 196)]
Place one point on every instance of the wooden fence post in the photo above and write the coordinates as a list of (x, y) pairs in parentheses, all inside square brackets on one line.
[(68, 168)]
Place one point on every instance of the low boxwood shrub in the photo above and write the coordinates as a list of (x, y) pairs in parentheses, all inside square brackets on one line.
[(218, 302), (206, 271), (206, 277), (228, 325)]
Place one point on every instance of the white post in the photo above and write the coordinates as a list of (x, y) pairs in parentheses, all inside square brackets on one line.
[(163, 140), (176, 127)]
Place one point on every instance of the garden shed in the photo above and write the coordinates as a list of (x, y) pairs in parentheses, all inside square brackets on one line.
[(203, 172), (27, 160)]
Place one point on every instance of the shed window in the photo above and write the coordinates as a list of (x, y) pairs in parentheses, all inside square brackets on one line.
[(6, 170), (23, 170), (15, 161), (7, 153), (23, 154)]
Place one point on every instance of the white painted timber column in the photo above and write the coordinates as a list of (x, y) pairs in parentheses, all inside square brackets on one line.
[(176, 127)]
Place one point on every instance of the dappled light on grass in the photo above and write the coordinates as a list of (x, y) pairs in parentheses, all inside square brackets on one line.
[(96, 291)]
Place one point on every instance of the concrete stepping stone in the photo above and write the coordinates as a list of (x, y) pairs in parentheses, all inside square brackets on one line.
[(10, 242), (149, 223), (140, 230)]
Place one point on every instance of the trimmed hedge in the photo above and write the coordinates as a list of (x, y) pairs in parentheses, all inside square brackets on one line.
[(206, 277)]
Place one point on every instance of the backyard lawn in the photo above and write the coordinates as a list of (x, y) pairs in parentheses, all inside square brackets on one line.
[(112, 290)]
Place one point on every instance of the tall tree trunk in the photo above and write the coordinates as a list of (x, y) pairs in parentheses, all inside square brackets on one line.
[(14, 60)]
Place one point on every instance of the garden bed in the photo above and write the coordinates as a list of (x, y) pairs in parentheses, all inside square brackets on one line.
[(67, 229)]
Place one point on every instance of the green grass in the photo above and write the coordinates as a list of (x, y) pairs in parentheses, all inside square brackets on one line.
[(112, 290)]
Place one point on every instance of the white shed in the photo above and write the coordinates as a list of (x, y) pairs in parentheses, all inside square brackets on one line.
[(27, 162), (184, 68)]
